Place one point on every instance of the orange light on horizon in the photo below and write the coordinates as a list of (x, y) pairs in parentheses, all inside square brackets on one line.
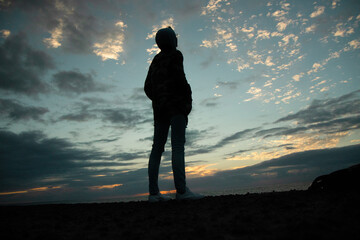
[(162, 192), (200, 171), (106, 186), (44, 188), (39, 189), (15, 192)]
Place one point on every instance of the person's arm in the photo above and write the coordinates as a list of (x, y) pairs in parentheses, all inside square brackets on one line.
[(148, 85), (186, 89)]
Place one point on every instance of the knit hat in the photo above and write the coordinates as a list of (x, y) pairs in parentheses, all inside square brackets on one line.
[(166, 39)]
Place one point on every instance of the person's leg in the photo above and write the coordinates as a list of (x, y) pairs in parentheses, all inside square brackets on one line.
[(160, 136), (178, 126)]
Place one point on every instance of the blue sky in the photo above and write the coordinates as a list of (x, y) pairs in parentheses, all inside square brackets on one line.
[(271, 80)]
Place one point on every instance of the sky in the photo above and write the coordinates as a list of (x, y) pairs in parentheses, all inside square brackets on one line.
[(275, 84)]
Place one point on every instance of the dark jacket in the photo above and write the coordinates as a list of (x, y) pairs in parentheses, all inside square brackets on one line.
[(167, 87)]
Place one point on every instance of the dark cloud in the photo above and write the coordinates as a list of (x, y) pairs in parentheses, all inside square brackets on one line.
[(301, 167), (122, 117), (230, 85), (15, 111), (338, 125), (82, 113), (130, 156), (31, 160), (210, 102), (78, 117), (76, 82), (327, 110), (126, 116), (30, 157), (94, 100), (79, 28), (21, 66), (238, 136), (326, 127), (194, 135), (268, 132), (262, 148), (208, 61), (139, 95), (103, 140), (327, 116)]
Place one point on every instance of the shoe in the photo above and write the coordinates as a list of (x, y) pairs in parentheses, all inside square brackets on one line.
[(158, 198), (188, 195)]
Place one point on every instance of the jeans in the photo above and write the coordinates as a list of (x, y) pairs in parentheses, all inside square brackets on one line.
[(178, 126)]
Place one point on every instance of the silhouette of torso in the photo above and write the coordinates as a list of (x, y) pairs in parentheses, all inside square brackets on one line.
[(167, 87)]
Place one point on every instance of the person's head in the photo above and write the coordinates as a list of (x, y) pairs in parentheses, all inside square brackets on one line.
[(166, 39)]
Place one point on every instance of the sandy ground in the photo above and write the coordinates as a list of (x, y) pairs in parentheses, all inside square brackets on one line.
[(276, 215)]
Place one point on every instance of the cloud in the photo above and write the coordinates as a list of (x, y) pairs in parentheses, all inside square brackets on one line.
[(327, 110), (256, 92), (56, 36), (231, 85), (121, 115), (297, 77), (342, 31), (263, 34), (210, 102), (268, 61), (30, 157), (73, 28), (209, 60), (226, 37), (355, 44), (300, 167), (321, 125), (212, 6), (76, 82), (78, 117), (5, 33), (318, 11), (97, 185), (16, 112), (112, 46), (281, 26), (32, 161), (234, 137), (202, 149), (93, 109), (155, 28), (130, 156), (286, 39), (311, 28), (165, 23), (209, 44), (334, 3), (280, 16), (333, 55), (21, 66), (138, 95), (223, 37), (279, 13)]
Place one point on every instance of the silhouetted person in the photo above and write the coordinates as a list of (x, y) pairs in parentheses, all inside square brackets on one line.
[(170, 93)]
